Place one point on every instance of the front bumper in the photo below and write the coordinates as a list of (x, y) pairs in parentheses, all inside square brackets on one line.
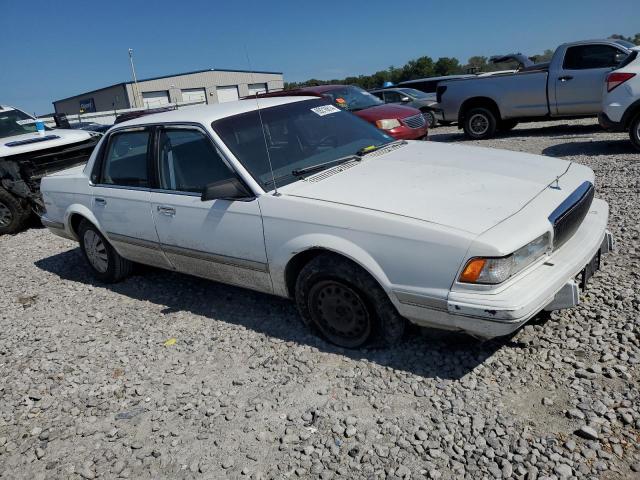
[(494, 313), (406, 133)]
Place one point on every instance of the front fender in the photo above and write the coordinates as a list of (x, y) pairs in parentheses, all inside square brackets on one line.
[(281, 257)]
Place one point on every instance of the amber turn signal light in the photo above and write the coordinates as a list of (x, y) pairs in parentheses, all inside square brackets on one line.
[(472, 271)]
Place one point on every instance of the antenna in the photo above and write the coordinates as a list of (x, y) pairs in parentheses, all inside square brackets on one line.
[(264, 134)]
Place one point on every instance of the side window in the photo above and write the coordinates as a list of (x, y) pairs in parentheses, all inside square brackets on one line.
[(125, 162), (584, 57), (378, 94), (392, 97), (189, 162)]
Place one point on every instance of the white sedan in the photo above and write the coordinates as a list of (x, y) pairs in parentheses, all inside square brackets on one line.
[(299, 199)]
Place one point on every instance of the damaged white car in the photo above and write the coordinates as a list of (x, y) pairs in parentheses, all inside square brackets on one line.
[(297, 198)]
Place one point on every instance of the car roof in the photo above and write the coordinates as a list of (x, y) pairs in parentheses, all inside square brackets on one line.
[(205, 114), (431, 79)]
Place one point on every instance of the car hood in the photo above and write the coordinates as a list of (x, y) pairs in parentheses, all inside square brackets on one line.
[(466, 188), (380, 112), (65, 137)]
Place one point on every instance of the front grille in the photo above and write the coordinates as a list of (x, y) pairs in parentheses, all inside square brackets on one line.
[(415, 121), (570, 213)]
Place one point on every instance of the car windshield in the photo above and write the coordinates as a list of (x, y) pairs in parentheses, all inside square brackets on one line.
[(298, 135), (412, 92), (15, 122), (352, 98)]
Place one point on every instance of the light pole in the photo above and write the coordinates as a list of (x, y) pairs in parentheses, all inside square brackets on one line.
[(136, 90)]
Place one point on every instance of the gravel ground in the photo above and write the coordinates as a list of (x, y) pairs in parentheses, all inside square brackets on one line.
[(95, 387)]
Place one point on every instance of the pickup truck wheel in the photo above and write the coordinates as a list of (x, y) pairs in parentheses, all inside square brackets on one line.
[(13, 213), (479, 123), (345, 304), (107, 265), (634, 132), (506, 125)]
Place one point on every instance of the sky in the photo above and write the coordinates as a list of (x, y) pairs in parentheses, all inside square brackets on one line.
[(55, 49)]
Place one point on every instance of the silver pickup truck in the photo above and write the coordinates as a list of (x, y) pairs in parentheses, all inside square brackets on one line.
[(569, 86)]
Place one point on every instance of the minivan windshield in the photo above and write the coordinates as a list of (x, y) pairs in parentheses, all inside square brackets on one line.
[(352, 98), (14, 122), (298, 135)]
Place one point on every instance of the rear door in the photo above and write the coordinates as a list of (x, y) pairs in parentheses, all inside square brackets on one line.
[(222, 240), (578, 85), (121, 195)]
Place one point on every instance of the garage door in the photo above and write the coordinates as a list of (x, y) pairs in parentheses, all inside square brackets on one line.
[(257, 88), (227, 94), (194, 95), (155, 99)]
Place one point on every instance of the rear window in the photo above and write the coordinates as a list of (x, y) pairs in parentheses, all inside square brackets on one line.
[(583, 57)]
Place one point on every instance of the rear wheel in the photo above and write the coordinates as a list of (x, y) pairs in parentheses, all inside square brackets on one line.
[(345, 304), (107, 265), (634, 132), (479, 123), (14, 214)]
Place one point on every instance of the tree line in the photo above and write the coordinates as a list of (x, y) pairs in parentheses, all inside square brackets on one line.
[(425, 66)]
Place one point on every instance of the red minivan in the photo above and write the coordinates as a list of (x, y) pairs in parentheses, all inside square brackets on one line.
[(399, 121)]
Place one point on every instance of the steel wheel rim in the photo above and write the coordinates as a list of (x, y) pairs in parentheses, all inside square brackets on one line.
[(340, 313), (6, 217), (479, 124), (637, 134), (96, 251), (431, 119)]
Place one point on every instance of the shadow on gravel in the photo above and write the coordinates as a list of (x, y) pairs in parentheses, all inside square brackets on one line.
[(530, 130), (428, 353), (595, 148)]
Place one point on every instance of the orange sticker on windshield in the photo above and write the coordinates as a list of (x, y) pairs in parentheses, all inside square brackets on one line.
[(340, 100)]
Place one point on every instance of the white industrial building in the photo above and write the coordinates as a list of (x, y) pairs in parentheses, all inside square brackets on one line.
[(207, 86)]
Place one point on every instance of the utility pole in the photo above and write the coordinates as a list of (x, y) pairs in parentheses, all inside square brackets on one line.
[(136, 90)]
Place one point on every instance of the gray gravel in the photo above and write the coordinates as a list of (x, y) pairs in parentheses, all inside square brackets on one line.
[(89, 388)]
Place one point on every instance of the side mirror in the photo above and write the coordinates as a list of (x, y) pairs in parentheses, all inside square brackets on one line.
[(405, 99), (619, 57), (231, 189)]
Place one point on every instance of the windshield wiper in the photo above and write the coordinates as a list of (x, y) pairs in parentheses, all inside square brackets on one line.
[(373, 148), (321, 166)]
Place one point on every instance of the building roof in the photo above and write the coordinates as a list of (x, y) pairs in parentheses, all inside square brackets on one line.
[(168, 76)]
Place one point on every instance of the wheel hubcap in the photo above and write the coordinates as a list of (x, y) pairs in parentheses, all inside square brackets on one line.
[(96, 251), (479, 124), (340, 312), (5, 215)]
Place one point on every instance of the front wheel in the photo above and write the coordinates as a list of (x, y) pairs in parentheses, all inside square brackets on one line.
[(345, 304), (13, 213), (634, 132), (106, 264), (430, 118), (479, 123)]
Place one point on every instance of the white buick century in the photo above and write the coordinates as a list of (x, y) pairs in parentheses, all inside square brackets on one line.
[(297, 198)]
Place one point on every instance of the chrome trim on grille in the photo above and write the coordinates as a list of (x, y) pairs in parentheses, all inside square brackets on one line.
[(415, 121), (568, 216)]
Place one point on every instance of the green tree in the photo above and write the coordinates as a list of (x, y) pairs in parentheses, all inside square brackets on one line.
[(447, 66)]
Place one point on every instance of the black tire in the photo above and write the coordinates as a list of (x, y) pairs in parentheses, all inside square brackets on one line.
[(479, 123), (14, 213), (430, 118), (506, 125), (115, 268), (346, 305), (634, 132)]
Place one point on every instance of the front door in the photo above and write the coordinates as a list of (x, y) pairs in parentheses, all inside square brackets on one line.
[(222, 240), (580, 84), (121, 196)]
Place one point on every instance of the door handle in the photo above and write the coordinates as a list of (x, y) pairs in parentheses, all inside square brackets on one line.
[(100, 201), (168, 211), (566, 78)]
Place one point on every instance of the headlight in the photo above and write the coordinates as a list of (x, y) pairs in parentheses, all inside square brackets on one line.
[(387, 123), (492, 270)]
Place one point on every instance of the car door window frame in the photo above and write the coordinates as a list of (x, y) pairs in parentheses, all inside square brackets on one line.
[(188, 126), (97, 173)]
